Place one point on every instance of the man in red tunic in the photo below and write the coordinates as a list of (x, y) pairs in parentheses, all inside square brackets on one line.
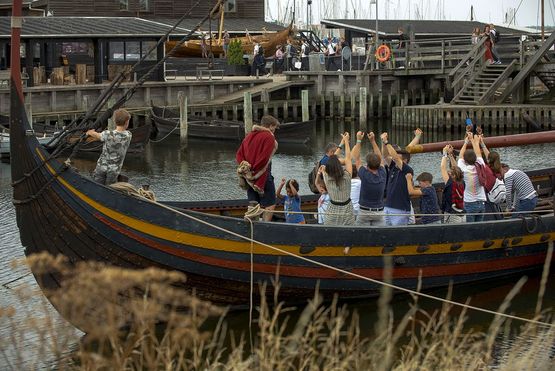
[(254, 157)]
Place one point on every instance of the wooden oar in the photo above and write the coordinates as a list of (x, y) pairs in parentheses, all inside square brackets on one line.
[(491, 142)]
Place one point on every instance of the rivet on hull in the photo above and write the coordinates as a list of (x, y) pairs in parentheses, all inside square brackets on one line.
[(488, 243), (422, 248), (516, 240), (456, 246), (388, 249), (306, 249)]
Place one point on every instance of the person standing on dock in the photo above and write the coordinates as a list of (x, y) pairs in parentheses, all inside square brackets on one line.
[(226, 43), (494, 36), (114, 147), (403, 40), (254, 158), (488, 56)]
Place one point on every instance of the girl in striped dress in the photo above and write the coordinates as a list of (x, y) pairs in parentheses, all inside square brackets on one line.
[(338, 184)]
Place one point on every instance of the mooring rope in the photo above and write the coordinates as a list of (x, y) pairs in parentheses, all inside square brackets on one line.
[(356, 275), (165, 137)]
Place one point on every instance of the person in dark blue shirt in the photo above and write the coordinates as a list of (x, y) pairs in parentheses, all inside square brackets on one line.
[(292, 201), (397, 205), (373, 178)]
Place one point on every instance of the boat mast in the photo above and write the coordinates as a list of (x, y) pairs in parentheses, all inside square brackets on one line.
[(15, 59), (543, 20)]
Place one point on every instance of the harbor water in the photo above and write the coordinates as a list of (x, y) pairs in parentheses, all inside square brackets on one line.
[(205, 170)]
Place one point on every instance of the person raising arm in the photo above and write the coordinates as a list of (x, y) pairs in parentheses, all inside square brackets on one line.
[(398, 205)]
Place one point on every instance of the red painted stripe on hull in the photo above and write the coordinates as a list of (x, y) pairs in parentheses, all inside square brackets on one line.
[(325, 273)]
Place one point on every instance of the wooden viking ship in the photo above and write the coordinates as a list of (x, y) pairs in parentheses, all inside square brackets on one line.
[(167, 122), (268, 41), (63, 212)]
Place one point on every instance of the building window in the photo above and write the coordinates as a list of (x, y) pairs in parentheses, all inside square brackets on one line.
[(123, 4), (146, 46), (230, 6), (132, 50), (116, 51), (144, 5)]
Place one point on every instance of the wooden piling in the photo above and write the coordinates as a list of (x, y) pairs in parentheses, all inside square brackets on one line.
[(363, 108), (247, 111), (304, 103), (183, 123)]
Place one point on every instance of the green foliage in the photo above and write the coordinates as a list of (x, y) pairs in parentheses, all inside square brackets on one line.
[(235, 52)]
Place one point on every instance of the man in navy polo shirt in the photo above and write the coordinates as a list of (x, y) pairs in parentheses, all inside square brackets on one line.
[(373, 178), (397, 205)]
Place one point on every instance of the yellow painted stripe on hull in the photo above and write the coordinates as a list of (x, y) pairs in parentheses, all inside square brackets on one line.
[(219, 244)]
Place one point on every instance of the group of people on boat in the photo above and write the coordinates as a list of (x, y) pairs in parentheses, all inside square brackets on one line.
[(476, 184)]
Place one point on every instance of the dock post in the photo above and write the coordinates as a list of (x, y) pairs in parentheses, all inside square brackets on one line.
[(380, 104), (332, 105), (353, 105), (183, 122), (342, 106), (247, 111), (265, 98), (305, 112), (363, 106)]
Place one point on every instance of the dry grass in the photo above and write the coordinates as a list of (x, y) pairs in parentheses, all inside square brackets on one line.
[(141, 320)]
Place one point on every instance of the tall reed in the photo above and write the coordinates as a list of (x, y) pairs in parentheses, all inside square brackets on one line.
[(144, 320)]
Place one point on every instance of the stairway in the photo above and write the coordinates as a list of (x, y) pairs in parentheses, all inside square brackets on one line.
[(484, 84), (546, 73)]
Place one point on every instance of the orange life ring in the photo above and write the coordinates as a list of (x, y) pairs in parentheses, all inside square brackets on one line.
[(383, 53)]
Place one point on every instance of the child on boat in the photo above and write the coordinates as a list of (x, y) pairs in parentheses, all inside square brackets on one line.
[(324, 200), (292, 203), (428, 197), (114, 148)]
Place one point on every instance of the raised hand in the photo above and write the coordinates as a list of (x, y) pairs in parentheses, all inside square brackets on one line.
[(322, 169), (360, 135), (479, 130), (346, 136), (384, 137), (446, 149), (372, 136), (283, 181), (418, 132)]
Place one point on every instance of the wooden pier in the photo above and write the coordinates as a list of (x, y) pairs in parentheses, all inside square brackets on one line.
[(451, 117)]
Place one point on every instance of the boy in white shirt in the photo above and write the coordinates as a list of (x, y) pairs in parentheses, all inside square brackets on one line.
[(474, 193)]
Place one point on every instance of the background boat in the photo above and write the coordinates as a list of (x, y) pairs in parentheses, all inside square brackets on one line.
[(167, 123), (268, 41), (140, 128)]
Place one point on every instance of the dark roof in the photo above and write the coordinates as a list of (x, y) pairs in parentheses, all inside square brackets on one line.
[(390, 26), (59, 27), (232, 25), (9, 2)]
